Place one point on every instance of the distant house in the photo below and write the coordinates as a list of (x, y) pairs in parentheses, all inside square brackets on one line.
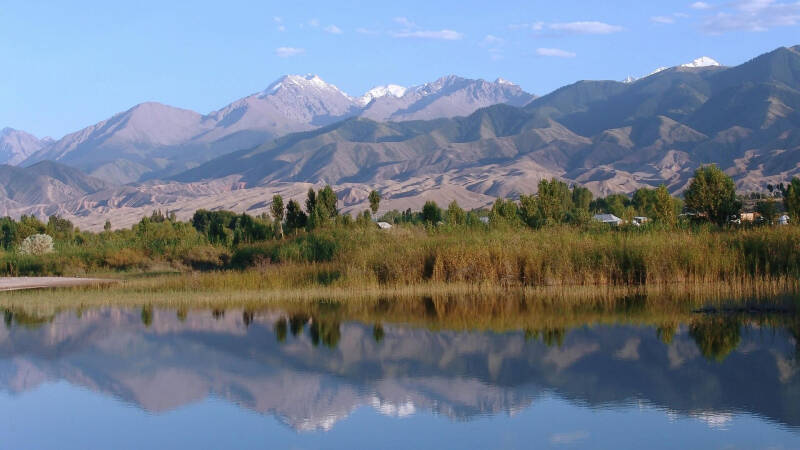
[(748, 217), (783, 220), (608, 219), (384, 225), (640, 220)]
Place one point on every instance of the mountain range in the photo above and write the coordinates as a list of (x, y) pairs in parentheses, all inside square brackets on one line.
[(609, 136), (468, 140), (152, 140)]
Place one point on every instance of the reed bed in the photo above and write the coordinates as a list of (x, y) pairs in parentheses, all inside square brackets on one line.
[(434, 305)]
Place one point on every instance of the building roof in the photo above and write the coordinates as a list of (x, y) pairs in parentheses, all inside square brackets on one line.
[(607, 218)]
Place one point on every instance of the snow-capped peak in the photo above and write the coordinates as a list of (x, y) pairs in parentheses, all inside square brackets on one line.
[(392, 90), (504, 82), (308, 81), (659, 70), (629, 79), (703, 61)]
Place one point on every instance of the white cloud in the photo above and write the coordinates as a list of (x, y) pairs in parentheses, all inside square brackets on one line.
[(664, 20), (281, 28), (411, 30), (535, 26), (585, 27), (277, 19), (555, 52), (753, 15), (333, 29), (493, 45), (313, 22), (700, 5), (362, 30), (404, 22), (492, 41), (447, 35), (287, 52)]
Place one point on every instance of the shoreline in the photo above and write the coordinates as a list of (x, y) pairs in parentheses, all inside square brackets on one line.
[(27, 283)]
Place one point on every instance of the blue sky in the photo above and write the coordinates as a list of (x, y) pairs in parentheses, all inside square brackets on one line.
[(67, 65)]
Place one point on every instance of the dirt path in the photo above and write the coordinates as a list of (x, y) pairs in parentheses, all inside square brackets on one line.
[(19, 283)]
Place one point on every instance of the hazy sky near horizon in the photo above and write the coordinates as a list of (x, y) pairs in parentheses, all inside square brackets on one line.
[(68, 65)]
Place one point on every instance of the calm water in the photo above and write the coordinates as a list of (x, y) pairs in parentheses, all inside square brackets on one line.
[(144, 378)]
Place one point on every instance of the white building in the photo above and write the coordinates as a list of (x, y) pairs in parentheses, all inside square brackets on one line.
[(783, 220), (384, 225), (608, 219)]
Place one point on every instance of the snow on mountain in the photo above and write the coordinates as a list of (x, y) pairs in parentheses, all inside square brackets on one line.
[(381, 91), (153, 140), (301, 82), (659, 70), (703, 61), (449, 96), (629, 79)]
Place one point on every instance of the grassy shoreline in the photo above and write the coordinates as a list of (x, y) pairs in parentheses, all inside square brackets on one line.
[(236, 290), (412, 255)]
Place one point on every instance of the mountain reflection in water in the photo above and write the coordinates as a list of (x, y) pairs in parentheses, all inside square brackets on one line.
[(310, 369)]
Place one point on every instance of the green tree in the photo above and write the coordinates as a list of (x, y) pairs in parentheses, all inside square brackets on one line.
[(664, 207), (60, 228), (374, 201), (364, 219), (504, 212), (529, 210), (455, 215), (581, 197), (278, 214), (791, 199), (431, 213), (28, 226), (107, 226), (295, 217), (628, 214), (554, 201), (768, 210), (318, 217), (327, 198), (712, 194), (8, 233), (616, 204), (311, 201)]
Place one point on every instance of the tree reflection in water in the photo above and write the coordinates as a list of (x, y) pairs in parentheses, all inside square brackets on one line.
[(716, 337)]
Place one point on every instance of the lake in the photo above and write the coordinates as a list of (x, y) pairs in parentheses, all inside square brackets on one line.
[(325, 376)]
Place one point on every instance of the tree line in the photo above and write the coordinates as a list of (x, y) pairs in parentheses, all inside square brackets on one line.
[(711, 197)]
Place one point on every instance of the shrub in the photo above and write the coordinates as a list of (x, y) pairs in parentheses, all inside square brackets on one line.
[(207, 258), (36, 245), (126, 258)]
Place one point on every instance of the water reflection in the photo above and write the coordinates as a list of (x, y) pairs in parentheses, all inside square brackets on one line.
[(311, 368)]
